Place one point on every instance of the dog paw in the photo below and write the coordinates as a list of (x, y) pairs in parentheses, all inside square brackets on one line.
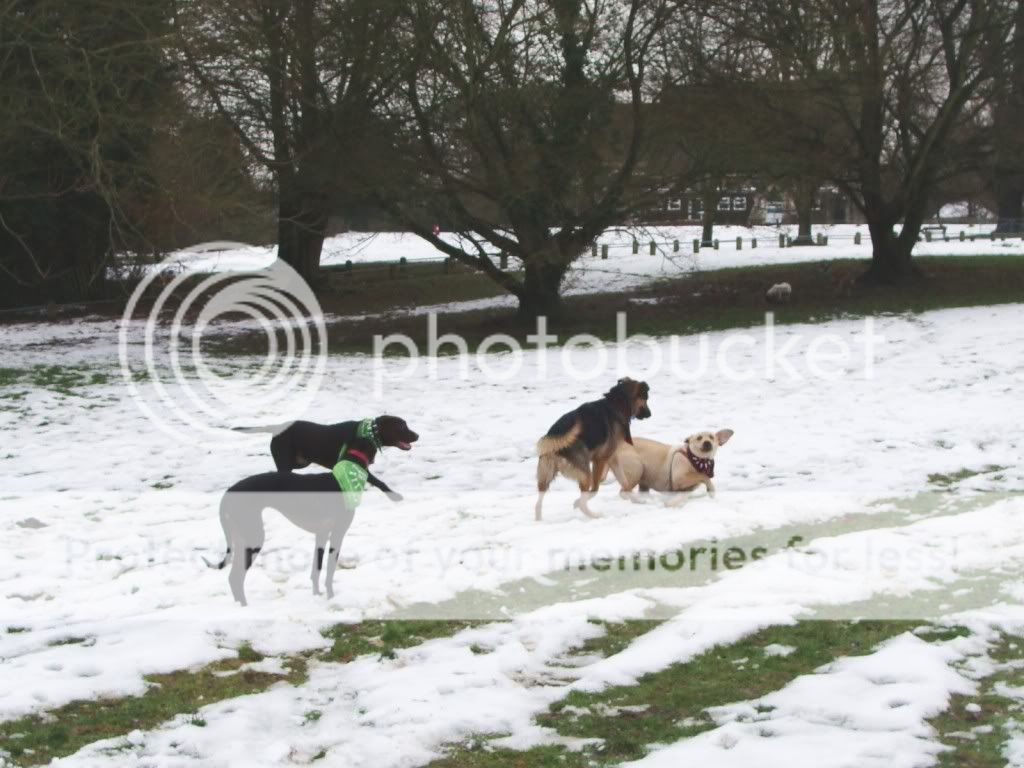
[(395, 496)]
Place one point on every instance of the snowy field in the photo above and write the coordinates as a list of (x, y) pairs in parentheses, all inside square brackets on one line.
[(899, 475)]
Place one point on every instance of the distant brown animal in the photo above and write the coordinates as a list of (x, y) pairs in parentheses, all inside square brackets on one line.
[(582, 441)]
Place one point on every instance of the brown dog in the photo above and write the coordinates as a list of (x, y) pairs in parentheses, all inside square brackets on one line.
[(648, 464), (580, 443)]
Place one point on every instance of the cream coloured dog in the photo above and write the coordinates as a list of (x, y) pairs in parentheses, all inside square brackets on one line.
[(677, 469)]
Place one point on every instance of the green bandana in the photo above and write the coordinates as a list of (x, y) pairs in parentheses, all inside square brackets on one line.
[(367, 430), (351, 479)]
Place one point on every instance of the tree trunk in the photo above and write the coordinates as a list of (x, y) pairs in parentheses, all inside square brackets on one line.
[(890, 255), (709, 198), (1009, 198), (300, 237), (540, 294), (804, 199)]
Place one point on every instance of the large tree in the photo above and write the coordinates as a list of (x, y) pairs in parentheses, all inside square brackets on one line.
[(1008, 134), (298, 81), (900, 79), (79, 83), (522, 127)]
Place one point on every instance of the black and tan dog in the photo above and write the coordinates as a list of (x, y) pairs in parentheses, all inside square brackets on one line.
[(580, 444), (300, 443)]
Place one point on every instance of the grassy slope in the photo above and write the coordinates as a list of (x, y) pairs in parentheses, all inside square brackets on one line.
[(692, 303), (37, 739)]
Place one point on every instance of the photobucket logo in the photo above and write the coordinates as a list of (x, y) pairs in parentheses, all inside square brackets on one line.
[(795, 353), (169, 359)]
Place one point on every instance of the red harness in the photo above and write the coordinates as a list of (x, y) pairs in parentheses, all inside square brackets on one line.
[(359, 455)]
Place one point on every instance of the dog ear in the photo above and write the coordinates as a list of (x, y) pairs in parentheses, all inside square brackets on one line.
[(723, 436)]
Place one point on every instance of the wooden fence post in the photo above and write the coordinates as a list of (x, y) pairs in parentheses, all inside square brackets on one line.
[(696, 245), (503, 260), (739, 243), (636, 246), (782, 240), (753, 242), (856, 238), (675, 246), (654, 248), (593, 249), (604, 251), (716, 244)]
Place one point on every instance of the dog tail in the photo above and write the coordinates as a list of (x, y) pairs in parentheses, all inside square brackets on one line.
[(268, 429), (557, 440)]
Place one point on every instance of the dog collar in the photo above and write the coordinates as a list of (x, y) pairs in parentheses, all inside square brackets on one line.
[(358, 455), (704, 466)]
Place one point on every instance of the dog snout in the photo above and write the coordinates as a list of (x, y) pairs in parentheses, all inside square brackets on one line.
[(708, 445), (645, 413)]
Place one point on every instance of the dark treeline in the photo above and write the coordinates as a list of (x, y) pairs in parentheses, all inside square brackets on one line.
[(132, 127)]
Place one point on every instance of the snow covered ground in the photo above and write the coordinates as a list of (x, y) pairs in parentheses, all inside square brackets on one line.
[(366, 247), (901, 476)]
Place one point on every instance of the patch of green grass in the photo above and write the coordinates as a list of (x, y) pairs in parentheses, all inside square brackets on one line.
[(946, 480), (670, 705), (70, 640), (38, 739), (385, 637), (16, 630), (64, 380), (934, 633), (248, 655), (977, 727), (617, 636)]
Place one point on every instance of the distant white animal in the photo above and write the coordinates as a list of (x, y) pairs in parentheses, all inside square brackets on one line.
[(780, 293)]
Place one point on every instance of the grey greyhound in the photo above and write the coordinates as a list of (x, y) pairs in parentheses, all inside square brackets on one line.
[(323, 504)]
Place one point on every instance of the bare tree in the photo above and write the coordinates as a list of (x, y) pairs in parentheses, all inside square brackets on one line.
[(899, 79), (299, 81), (522, 126), (79, 86), (1008, 134)]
